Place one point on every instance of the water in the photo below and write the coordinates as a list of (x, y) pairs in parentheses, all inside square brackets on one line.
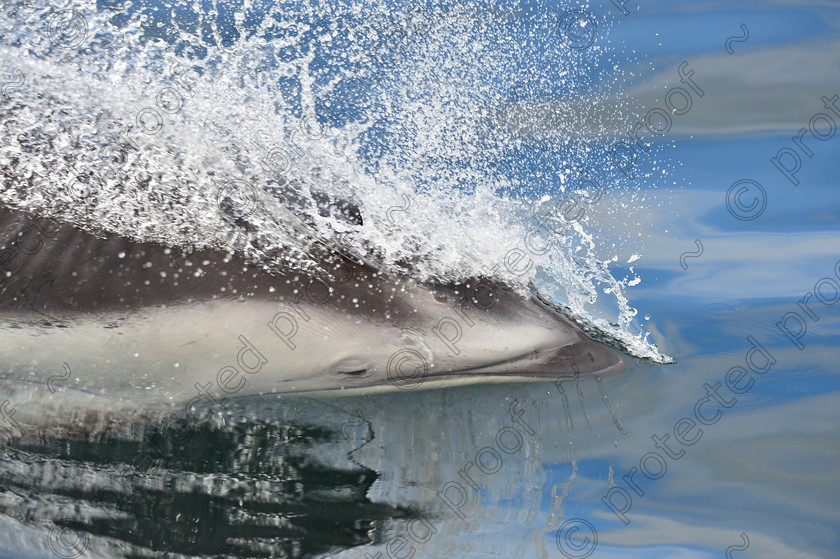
[(456, 134)]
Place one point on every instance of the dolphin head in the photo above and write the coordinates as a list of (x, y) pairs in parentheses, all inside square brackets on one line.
[(370, 329)]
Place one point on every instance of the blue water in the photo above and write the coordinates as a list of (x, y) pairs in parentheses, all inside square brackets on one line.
[(459, 472)]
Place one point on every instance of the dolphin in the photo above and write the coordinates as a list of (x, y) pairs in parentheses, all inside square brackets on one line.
[(98, 330)]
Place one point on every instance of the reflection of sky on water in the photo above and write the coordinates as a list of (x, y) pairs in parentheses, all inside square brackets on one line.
[(768, 467)]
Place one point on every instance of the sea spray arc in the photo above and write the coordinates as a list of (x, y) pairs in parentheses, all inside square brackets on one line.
[(151, 330), (229, 120)]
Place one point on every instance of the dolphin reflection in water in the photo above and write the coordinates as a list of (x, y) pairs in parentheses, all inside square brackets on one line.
[(101, 330)]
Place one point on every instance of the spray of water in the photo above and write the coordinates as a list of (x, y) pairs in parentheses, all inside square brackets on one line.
[(287, 131)]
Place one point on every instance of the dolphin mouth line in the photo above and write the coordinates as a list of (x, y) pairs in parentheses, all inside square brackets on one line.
[(532, 372), (477, 373), (478, 369)]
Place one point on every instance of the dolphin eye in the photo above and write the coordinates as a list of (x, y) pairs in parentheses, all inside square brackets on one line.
[(359, 373), (352, 368)]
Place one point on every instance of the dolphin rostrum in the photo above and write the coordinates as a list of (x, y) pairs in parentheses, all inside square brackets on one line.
[(97, 330)]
